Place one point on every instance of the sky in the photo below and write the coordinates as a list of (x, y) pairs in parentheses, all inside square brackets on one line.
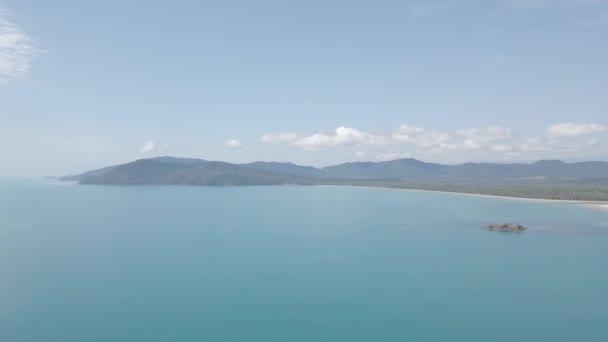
[(86, 84)]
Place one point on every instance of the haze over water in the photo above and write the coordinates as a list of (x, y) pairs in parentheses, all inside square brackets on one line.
[(318, 263)]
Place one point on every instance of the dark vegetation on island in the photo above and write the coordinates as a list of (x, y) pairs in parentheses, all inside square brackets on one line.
[(545, 179), (507, 227)]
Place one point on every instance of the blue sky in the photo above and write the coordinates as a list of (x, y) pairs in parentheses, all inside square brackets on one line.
[(84, 84)]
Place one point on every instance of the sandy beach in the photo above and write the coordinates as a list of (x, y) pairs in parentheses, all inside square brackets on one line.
[(598, 205)]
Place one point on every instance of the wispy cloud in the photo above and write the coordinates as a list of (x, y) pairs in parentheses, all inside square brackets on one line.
[(477, 138), (17, 51), (489, 143), (152, 146), (148, 146), (233, 143), (570, 130), (342, 136), (501, 148), (419, 136), (275, 138)]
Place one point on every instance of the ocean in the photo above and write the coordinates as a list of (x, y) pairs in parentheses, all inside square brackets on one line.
[(295, 263)]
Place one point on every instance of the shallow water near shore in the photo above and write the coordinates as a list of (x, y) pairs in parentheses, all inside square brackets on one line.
[(293, 263)]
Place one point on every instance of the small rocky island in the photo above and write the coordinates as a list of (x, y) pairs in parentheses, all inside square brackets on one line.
[(507, 227)]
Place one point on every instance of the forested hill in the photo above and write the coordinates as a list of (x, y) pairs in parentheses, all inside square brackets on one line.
[(171, 170), (543, 179)]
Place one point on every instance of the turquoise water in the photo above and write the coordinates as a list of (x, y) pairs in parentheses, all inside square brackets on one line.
[(94, 263)]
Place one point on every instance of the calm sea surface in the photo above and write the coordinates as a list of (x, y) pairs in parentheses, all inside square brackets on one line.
[(289, 264)]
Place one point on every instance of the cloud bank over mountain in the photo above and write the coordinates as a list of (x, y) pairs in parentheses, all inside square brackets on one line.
[(564, 140)]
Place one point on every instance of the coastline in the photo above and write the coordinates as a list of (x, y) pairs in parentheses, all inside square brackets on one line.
[(597, 205)]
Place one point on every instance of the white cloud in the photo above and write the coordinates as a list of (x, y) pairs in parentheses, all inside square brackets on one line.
[(148, 146), (405, 129), (477, 139), (17, 51), (233, 143), (420, 137), (571, 130), (153, 146), (449, 147), (534, 145), (486, 134), (412, 136), (501, 148), (592, 142), (342, 136), (279, 137), (470, 144)]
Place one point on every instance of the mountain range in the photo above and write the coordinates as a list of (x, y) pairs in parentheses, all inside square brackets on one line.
[(186, 171)]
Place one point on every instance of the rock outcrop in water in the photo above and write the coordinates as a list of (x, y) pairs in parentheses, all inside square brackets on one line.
[(507, 227)]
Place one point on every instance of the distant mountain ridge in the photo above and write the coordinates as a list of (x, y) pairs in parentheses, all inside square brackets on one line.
[(180, 171), (188, 171)]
